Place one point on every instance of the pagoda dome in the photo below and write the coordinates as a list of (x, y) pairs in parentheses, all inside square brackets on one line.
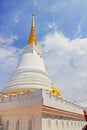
[(30, 72)]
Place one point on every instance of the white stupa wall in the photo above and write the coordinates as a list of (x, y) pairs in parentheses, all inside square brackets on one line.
[(61, 103), (39, 123), (24, 121), (39, 97), (26, 106), (30, 72), (61, 124), (31, 58)]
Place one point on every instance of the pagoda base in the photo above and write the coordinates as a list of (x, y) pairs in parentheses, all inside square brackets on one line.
[(39, 110)]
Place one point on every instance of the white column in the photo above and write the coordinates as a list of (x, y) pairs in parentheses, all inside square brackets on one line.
[(61, 127), (57, 124), (44, 124), (53, 124)]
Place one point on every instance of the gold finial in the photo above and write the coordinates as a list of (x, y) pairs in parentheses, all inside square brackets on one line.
[(32, 37), (33, 19)]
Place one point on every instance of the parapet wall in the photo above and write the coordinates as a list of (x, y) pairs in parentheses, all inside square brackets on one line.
[(61, 103), (5, 98), (48, 100)]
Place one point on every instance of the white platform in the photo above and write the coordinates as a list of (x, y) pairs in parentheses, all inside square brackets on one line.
[(29, 105)]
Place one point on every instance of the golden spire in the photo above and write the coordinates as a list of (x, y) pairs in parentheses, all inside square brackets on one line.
[(32, 37)]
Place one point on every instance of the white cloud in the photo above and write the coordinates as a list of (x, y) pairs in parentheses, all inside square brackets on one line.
[(78, 31), (53, 25), (17, 16), (8, 57), (66, 61), (7, 40), (6, 48)]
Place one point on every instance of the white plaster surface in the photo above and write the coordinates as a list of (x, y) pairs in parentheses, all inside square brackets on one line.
[(30, 72), (27, 106), (62, 124), (38, 98)]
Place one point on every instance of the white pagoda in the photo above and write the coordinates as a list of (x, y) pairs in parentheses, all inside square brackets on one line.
[(29, 101)]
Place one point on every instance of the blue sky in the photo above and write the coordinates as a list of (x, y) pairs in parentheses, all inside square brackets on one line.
[(61, 29)]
